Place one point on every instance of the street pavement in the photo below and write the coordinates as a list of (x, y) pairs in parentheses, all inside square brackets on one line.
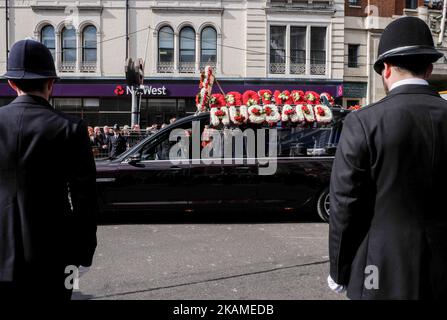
[(208, 257)]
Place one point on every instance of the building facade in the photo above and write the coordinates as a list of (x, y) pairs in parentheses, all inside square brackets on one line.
[(252, 44), (365, 21)]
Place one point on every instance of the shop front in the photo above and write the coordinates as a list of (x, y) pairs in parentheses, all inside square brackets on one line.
[(108, 102)]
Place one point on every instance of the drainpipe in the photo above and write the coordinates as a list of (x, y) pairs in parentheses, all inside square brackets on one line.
[(444, 11), (7, 28), (127, 29)]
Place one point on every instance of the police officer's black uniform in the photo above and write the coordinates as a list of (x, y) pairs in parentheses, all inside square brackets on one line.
[(389, 182), (47, 187), (118, 143)]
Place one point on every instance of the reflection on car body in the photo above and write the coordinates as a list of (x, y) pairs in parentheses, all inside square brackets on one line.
[(145, 178)]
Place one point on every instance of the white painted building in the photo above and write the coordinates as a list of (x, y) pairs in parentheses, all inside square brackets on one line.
[(276, 44)]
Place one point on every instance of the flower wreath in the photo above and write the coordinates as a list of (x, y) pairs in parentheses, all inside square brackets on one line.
[(266, 96), (256, 114), (233, 98), (308, 113), (272, 115), (282, 98), (219, 111), (250, 98), (323, 114), (329, 98), (292, 113), (297, 96), (202, 100), (311, 97)]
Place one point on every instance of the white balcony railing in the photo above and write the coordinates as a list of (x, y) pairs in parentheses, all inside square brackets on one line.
[(187, 67), (165, 67), (89, 66), (297, 68), (318, 69), (277, 68), (204, 64), (67, 66)]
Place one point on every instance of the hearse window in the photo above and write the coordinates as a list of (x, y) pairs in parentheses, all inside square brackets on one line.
[(304, 142), (159, 148)]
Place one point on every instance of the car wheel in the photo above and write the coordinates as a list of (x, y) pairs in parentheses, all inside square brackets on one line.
[(323, 205)]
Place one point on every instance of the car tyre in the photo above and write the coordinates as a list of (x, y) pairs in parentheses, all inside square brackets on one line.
[(323, 205)]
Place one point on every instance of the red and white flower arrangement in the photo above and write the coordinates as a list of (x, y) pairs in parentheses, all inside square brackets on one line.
[(256, 114), (292, 114), (282, 97), (272, 115), (323, 114), (206, 86), (233, 98), (308, 113), (219, 111), (328, 97), (297, 97), (266, 96), (311, 97), (250, 98)]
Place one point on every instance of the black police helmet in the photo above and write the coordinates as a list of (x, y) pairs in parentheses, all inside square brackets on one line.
[(116, 127), (29, 59), (406, 38)]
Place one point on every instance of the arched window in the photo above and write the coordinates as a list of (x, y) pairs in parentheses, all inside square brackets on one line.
[(187, 49), (208, 46), (89, 44), (166, 49), (48, 39), (68, 45)]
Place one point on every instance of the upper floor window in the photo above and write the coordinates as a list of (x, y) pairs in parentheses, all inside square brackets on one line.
[(353, 55), (208, 53), (187, 50), (298, 50), (47, 37), (68, 52), (354, 3), (411, 4), (166, 50), (89, 44)]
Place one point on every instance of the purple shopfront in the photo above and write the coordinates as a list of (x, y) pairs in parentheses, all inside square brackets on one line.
[(109, 103)]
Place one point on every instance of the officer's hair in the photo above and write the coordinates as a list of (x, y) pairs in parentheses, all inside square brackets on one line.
[(31, 85), (414, 66)]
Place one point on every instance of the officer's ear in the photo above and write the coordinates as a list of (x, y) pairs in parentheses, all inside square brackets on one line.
[(386, 73), (13, 86), (429, 71), (50, 84)]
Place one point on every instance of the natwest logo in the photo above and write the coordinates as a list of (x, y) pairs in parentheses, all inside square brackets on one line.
[(145, 90), (119, 91)]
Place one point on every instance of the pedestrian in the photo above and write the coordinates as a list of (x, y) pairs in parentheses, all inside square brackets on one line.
[(118, 142), (388, 235), (172, 120), (48, 202)]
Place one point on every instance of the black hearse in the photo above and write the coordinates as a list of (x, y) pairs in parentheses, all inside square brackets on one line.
[(277, 168)]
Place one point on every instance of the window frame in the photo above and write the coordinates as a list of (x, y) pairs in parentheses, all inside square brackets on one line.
[(187, 50), (353, 63), (202, 47), (53, 48), (63, 48), (87, 48), (171, 49)]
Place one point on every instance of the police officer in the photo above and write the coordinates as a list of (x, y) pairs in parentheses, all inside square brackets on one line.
[(388, 224), (47, 184), (118, 143)]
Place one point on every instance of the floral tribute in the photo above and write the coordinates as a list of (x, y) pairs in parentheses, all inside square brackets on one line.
[(263, 106), (219, 110)]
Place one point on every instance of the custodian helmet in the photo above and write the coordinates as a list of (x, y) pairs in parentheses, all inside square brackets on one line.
[(29, 59), (407, 37)]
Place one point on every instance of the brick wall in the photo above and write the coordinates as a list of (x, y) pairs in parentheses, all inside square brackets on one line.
[(387, 8)]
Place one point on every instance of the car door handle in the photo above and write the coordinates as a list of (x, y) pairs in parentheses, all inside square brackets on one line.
[(175, 168)]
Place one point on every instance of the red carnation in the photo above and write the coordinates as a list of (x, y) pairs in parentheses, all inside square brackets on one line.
[(250, 98), (268, 111), (217, 100), (239, 118), (289, 112), (266, 96), (283, 97), (305, 109), (321, 111), (233, 98), (312, 97), (219, 113), (256, 111), (297, 96)]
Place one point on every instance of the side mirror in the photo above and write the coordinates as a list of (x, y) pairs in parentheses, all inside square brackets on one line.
[(135, 158)]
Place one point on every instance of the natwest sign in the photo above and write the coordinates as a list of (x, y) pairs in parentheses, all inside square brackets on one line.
[(145, 90)]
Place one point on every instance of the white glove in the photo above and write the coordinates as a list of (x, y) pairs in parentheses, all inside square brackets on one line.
[(338, 288)]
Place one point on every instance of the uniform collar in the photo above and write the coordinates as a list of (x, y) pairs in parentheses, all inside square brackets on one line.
[(32, 99), (414, 89), (404, 82)]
